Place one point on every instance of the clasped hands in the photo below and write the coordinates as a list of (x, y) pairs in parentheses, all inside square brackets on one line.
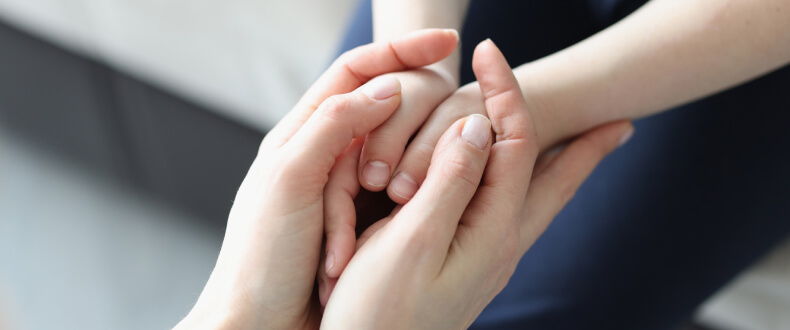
[(475, 197)]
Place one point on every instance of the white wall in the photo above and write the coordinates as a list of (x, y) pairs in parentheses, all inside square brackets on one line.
[(250, 59)]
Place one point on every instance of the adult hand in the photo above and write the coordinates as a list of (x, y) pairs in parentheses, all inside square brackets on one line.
[(422, 90), (437, 261), (266, 270), (377, 155)]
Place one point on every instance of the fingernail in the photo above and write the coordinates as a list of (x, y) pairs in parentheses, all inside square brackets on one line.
[(381, 87), (454, 32), (403, 185), (330, 261), (626, 136), (477, 131), (376, 173)]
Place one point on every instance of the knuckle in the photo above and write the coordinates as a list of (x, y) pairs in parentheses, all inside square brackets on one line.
[(336, 107), (419, 158), (297, 167), (336, 228), (460, 166), (384, 141), (345, 57), (350, 55)]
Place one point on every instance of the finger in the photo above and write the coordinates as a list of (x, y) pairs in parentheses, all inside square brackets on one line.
[(552, 189), (422, 92), (339, 211), (492, 218), (413, 166), (515, 149), (361, 64), (325, 285), (431, 218), (312, 151), (545, 159)]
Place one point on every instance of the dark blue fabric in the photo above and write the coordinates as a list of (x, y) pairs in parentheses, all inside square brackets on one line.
[(697, 195)]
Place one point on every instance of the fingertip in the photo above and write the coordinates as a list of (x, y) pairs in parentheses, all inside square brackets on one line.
[(487, 43), (375, 175), (322, 296), (340, 247), (627, 134), (477, 131), (336, 265), (453, 33), (325, 288), (321, 280), (609, 137), (465, 146), (329, 264), (434, 45), (402, 188), (483, 53), (381, 88)]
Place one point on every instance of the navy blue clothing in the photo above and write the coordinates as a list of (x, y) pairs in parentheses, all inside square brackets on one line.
[(699, 193)]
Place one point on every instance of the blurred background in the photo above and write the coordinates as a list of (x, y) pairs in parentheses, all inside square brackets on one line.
[(125, 129)]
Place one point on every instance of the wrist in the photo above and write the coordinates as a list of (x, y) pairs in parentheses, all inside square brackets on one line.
[(222, 319), (449, 69), (540, 111), (223, 305), (393, 19), (557, 113)]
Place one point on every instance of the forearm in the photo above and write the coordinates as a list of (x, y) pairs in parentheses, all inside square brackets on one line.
[(395, 18), (667, 53)]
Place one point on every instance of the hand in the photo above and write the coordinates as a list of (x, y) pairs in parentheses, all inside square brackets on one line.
[(422, 90), (266, 270), (384, 150), (437, 261)]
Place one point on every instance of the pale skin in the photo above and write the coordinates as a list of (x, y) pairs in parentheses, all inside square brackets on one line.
[(473, 197), (266, 268), (667, 53)]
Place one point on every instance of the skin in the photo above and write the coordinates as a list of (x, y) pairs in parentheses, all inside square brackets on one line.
[(431, 264), (425, 88), (266, 269), (665, 54), (265, 273)]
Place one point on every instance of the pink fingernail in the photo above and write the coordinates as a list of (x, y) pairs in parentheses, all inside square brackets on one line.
[(626, 136), (330, 261), (404, 186), (454, 32), (477, 131), (381, 87), (376, 173)]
